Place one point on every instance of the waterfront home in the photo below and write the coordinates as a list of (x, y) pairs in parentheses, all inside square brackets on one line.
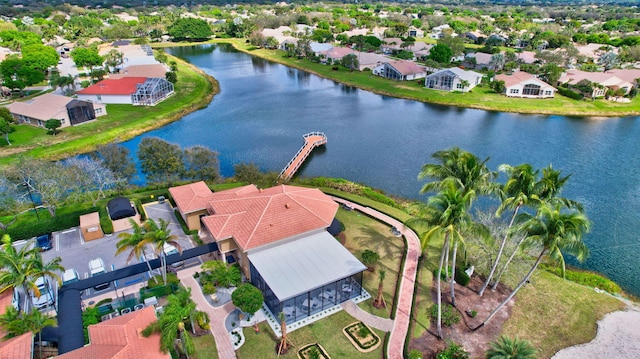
[(522, 84), (38, 110), (478, 61), (279, 238), (453, 79), (335, 54), (401, 70), (152, 71), (128, 90), (605, 80)]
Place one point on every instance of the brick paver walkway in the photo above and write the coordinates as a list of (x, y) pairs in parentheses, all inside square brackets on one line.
[(369, 319), (400, 328), (217, 315)]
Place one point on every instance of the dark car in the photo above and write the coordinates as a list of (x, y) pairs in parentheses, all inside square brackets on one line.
[(44, 242)]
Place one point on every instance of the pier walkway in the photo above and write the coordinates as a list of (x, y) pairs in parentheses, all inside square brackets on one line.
[(311, 141)]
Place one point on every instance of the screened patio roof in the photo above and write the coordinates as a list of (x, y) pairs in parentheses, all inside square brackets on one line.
[(304, 264)]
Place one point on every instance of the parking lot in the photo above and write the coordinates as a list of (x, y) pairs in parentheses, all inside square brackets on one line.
[(76, 253)]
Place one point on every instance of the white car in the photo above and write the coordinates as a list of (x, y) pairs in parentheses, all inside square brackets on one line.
[(46, 293), (70, 276), (96, 267), (169, 250), (15, 301)]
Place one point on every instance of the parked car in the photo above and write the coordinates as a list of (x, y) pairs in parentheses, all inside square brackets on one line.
[(96, 267), (15, 301), (46, 293), (169, 250), (44, 242), (70, 276)]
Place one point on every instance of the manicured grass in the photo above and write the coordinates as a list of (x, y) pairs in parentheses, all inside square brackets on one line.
[(22, 135), (193, 91), (480, 97), (396, 213), (205, 347), (553, 313), (363, 232), (327, 332)]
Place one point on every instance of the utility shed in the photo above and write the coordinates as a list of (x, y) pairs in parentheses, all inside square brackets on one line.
[(90, 226)]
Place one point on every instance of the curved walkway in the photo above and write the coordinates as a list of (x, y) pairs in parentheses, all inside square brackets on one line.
[(400, 328), (217, 315), (367, 318)]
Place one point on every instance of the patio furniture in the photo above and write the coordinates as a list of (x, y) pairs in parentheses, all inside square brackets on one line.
[(288, 311), (329, 294), (347, 288)]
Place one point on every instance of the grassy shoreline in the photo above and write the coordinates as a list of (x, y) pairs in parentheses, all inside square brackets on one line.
[(480, 98), (194, 91)]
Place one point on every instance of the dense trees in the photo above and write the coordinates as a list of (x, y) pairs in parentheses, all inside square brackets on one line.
[(190, 29), (441, 53), (83, 56)]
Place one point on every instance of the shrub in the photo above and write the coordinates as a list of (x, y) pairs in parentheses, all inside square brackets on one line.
[(89, 317), (570, 94), (589, 279), (452, 351), (208, 288), (248, 298), (462, 278), (104, 301), (29, 229), (140, 209), (450, 315)]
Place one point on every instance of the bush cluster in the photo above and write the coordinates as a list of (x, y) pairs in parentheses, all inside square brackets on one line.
[(570, 94), (450, 315), (589, 279), (462, 278), (60, 222)]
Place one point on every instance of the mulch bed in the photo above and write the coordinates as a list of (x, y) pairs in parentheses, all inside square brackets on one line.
[(476, 343)]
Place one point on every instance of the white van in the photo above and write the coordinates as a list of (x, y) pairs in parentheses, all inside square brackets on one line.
[(96, 267), (46, 295), (169, 250), (70, 276)]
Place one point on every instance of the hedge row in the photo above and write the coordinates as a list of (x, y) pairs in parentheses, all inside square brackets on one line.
[(570, 94), (589, 279), (60, 222)]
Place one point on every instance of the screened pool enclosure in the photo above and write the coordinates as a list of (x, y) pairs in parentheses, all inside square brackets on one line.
[(152, 91)]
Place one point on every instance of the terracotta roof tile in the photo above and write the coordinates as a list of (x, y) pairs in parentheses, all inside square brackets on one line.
[(151, 71), (407, 67), (191, 197), (18, 347), (518, 77), (121, 338), (122, 86), (258, 217)]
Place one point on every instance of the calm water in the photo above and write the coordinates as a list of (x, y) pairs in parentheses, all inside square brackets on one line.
[(263, 110)]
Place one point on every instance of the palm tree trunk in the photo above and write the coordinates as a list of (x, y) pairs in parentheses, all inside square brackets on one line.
[(446, 263), (522, 282), (163, 263), (445, 249), (453, 273), (504, 241), (504, 268)]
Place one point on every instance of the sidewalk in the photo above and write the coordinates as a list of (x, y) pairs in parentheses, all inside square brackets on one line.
[(217, 315), (400, 329)]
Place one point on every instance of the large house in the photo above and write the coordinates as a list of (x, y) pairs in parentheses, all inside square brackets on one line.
[(522, 84), (128, 90), (37, 111), (279, 238), (613, 79), (401, 70), (453, 79)]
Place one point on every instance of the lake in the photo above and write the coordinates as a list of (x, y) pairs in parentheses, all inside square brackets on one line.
[(263, 109)]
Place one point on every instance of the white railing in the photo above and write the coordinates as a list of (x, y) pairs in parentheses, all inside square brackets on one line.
[(321, 141)]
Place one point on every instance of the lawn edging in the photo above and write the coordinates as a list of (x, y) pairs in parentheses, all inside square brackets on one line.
[(349, 331)]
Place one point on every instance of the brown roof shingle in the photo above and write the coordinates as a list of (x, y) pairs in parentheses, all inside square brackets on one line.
[(43, 107)]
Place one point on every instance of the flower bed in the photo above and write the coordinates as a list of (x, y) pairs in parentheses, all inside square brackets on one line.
[(307, 352), (362, 337)]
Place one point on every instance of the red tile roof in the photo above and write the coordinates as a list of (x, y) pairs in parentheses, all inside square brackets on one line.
[(258, 217), (407, 67), (191, 197), (20, 346), (123, 86), (121, 338), (518, 77)]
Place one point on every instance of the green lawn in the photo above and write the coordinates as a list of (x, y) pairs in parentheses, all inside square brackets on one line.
[(193, 91), (326, 332), (205, 347), (363, 232), (480, 97)]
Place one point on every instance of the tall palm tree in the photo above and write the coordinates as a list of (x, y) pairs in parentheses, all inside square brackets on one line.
[(546, 190), (460, 167), (49, 269), (517, 191), (158, 234), (36, 322), (507, 348), (556, 230), (135, 242), (447, 214), (18, 268)]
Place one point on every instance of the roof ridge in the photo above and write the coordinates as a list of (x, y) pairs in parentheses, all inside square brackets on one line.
[(255, 228), (305, 207)]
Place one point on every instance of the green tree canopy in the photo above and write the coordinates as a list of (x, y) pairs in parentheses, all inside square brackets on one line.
[(52, 125), (161, 161), (190, 29), (201, 163), (16, 74), (248, 298), (441, 53), (39, 56), (83, 56)]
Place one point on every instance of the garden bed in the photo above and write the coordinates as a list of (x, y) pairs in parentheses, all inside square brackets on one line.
[(362, 337), (307, 352)]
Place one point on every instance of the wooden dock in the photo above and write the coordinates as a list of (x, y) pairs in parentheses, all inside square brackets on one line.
[(311, 141)]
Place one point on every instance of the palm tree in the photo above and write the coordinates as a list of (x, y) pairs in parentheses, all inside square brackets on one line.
[(557, 230), (379, 302), (158, 235), (36, 322), (507, 348), (517, 191), (49, 269), (284, 343), (170, 325), (18, 267), (135, 242), (546, 189)]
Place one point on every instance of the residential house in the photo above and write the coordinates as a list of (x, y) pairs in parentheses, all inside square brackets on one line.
[(318, 47), (154, 71), (121, 338), (415, 32), (472, 36), (20, 347), (336, 54), (128, 90), (393, 45), (131, 54), (368, 60), (594, 51), (481, 60), (606, 80), (401, 70), (38, 110), (279, 238), (526, 57), (522, 84), (282, 34), (453, 79), (441, 31)]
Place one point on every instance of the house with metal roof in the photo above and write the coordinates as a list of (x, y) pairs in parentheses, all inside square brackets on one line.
[(38, 110), (279, 238), (522, 84), (128, 90), (453, 79)]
